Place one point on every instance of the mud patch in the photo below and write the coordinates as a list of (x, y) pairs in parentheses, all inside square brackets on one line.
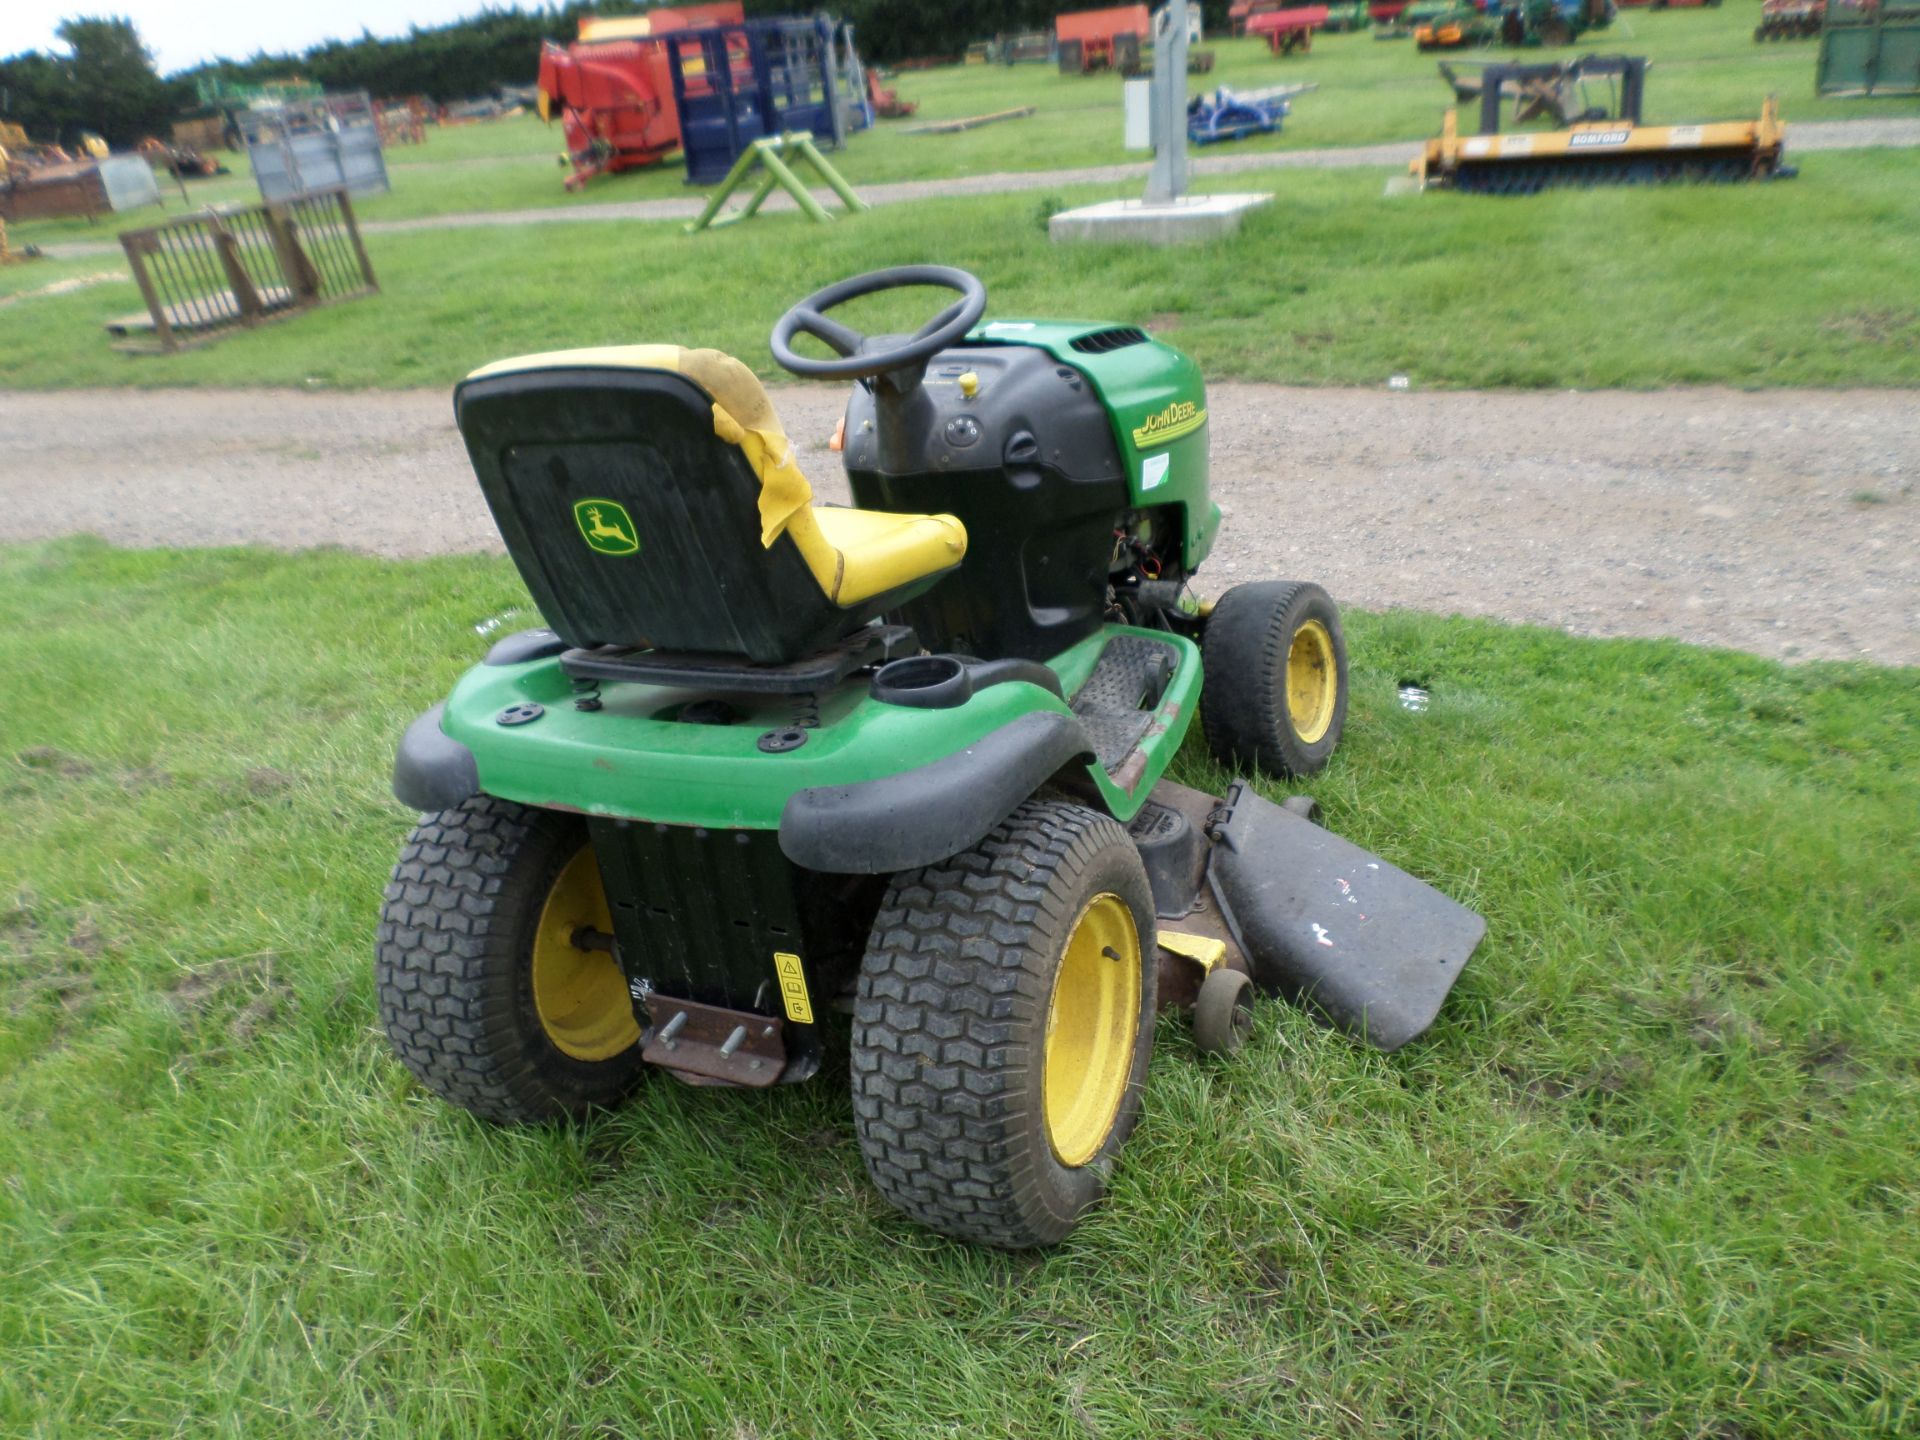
[(48, 757), (18, 929), (1515, 1215), (1899, 328), (253, 1017), (264, 780), (1269, 1278), (1714, 1026), (70, 988), (36, 978), (51, 760), (1591, 1097), (251, 980), (1829, 1062), (86, 938), (198, 990)]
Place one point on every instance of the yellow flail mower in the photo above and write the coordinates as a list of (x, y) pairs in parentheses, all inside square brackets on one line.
[(1600, 144)]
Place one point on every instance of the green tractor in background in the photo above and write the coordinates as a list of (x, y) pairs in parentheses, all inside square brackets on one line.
[(1552, 22), (905, 760)]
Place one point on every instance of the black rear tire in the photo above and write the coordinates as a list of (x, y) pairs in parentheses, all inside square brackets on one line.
[(1257, 641), (454, 964), (951, 1031)]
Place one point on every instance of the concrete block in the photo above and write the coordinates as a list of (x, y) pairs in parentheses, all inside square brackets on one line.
[(1135, 222)]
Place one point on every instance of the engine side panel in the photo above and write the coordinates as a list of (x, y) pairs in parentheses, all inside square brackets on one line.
[(1156, 403), (1028, 463)]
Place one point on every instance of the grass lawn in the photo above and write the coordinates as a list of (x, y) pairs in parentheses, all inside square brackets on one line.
[(1652, 1175), (1706, 67), (1808, 282), (1333, 284)]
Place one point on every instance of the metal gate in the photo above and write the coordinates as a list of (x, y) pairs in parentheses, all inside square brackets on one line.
[(1870, 52), (302, 146), (206, 274)]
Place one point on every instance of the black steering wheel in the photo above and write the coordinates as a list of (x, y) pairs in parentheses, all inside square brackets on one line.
[(859, 359)]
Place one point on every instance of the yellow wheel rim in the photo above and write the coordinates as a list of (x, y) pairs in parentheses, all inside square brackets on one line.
[(580, 995), (1092, 1021), (1313, 681)]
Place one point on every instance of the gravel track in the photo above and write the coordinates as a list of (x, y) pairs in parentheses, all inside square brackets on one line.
[(1782, 522)]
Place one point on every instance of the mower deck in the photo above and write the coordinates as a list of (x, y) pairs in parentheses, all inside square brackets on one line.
[(1600, 147)]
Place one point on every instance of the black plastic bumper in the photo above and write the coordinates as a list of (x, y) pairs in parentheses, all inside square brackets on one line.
[(903, 821), (433, 771)]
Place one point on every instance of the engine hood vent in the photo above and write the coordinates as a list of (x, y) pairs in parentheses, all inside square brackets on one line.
[(1099, 342)]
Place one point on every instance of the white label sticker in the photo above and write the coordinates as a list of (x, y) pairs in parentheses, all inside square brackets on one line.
[(1516, 145), (1684, 137), (1153, 470)]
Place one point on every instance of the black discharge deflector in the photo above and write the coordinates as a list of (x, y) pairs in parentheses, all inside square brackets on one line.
[(1333, 926)]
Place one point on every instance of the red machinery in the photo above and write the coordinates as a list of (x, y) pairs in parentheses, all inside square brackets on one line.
[(614, 88), (1091, 35), (1289, 30), (887, 104), (1241, 11)]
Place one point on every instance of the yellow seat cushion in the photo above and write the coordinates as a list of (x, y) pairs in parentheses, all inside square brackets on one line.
[(854, 555), (877, 552)]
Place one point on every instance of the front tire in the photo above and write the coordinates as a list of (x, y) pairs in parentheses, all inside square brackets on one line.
[(1003, 1026), (483, 993), (1275, 693)]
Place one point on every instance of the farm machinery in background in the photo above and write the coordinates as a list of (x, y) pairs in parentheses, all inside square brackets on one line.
[(1601, 142), (1790, 20), (885, 100), (183, 162), (47, 182), (1516, 24), (1235, 114), (1110, 39), (1451, 26), (1288, 31), (1552, 22), (1342, 16), (701, 80), (1867, 48), (1431, 24)]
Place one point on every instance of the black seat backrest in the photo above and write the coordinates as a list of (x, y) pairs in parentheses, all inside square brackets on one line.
[(632, 522)]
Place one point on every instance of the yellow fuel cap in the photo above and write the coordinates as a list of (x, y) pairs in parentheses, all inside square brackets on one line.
[(969, 384)]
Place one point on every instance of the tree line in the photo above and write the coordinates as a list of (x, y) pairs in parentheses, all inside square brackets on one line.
[(107, 81)]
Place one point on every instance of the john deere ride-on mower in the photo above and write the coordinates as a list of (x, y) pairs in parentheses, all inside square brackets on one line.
[(774, 759)]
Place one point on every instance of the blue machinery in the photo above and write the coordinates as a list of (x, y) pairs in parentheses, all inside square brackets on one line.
[(735, 84), (1234, 115)]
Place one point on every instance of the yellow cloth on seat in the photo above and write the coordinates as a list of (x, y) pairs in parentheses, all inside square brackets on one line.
[(854, 555)]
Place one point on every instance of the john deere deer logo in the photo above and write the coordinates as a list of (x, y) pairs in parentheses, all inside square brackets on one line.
[(606, 526)]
